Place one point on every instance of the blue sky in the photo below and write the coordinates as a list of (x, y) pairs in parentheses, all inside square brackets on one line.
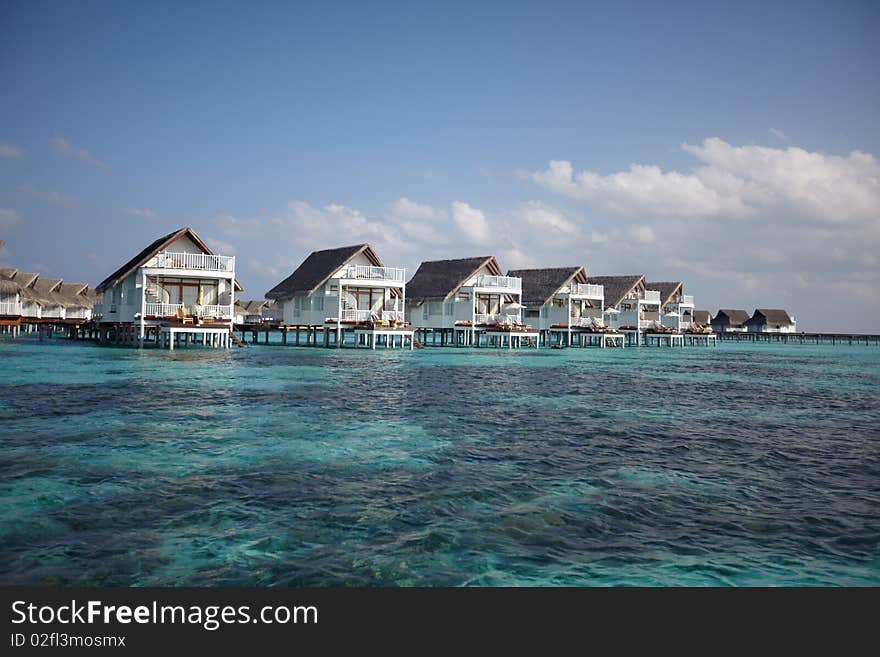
[(274, 129)]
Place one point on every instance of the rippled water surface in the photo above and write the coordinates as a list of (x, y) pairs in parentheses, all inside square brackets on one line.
[(741, 465)]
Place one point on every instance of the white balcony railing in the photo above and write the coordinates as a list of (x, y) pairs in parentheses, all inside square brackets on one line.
[(162, 309), (372, 315), (170, 310), (649, 296), (485, 318), (686, 300), (196, 261), (272, 314), (78, 313), (10, 308), (646, 323), (370, 273), (511, 283), (588, 290), (215, 310), (583, 321)]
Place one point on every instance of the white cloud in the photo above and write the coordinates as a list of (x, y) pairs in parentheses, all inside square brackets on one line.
[(10, 152), (733, 181), (642, 234), (471, 222), (546, 218), (8, 218), (778, 134), (49, 196), (144, 213), (63, 146), (221, 247), (418, 221)]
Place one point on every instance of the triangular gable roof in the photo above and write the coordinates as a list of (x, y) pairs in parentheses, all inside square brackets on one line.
[(437, 280), (539, 285), (75, 295), (44, 291), (318, 268), (668, 289), (8, 272), (616, 287), (8, 286), (251, 306), (735, 317), (151, 250), (25, 279), (769, 316)]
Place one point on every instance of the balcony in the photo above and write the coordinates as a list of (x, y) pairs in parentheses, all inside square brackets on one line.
[(506, 283), (368, 273), (372, 315), (8, 308), (195, 262), (484, 318), (649, 296), (588, 290), (170, 310), (686, 300)]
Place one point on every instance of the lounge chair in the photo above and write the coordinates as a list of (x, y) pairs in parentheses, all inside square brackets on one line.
[(183, 317)]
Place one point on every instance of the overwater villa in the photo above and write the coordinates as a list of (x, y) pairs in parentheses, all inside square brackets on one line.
[(29, 302), (10, 307), (630, 306), (249, 311), (462, 300), (175, 289), (702, 318), (770, 320), (346, 290), (730, 320), (563, 306), (676, 307)]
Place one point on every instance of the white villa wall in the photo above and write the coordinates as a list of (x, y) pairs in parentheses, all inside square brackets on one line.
[(126, 295)]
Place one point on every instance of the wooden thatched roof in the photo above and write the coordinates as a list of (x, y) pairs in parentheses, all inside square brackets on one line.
[(25, 278), (772, 316), (437, 280), (74, 295), (250, 306), (539, 285), (151, 250), (8, 272), (734, 316), (8, 286), (318, 268), (668, 290), (703, 317), (617, 287)]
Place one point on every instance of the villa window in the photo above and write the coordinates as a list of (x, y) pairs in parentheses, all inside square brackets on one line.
[(447, 308), (425, 311), (464, 296)]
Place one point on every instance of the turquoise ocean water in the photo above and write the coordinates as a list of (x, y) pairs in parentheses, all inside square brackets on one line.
[(270, 465)]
